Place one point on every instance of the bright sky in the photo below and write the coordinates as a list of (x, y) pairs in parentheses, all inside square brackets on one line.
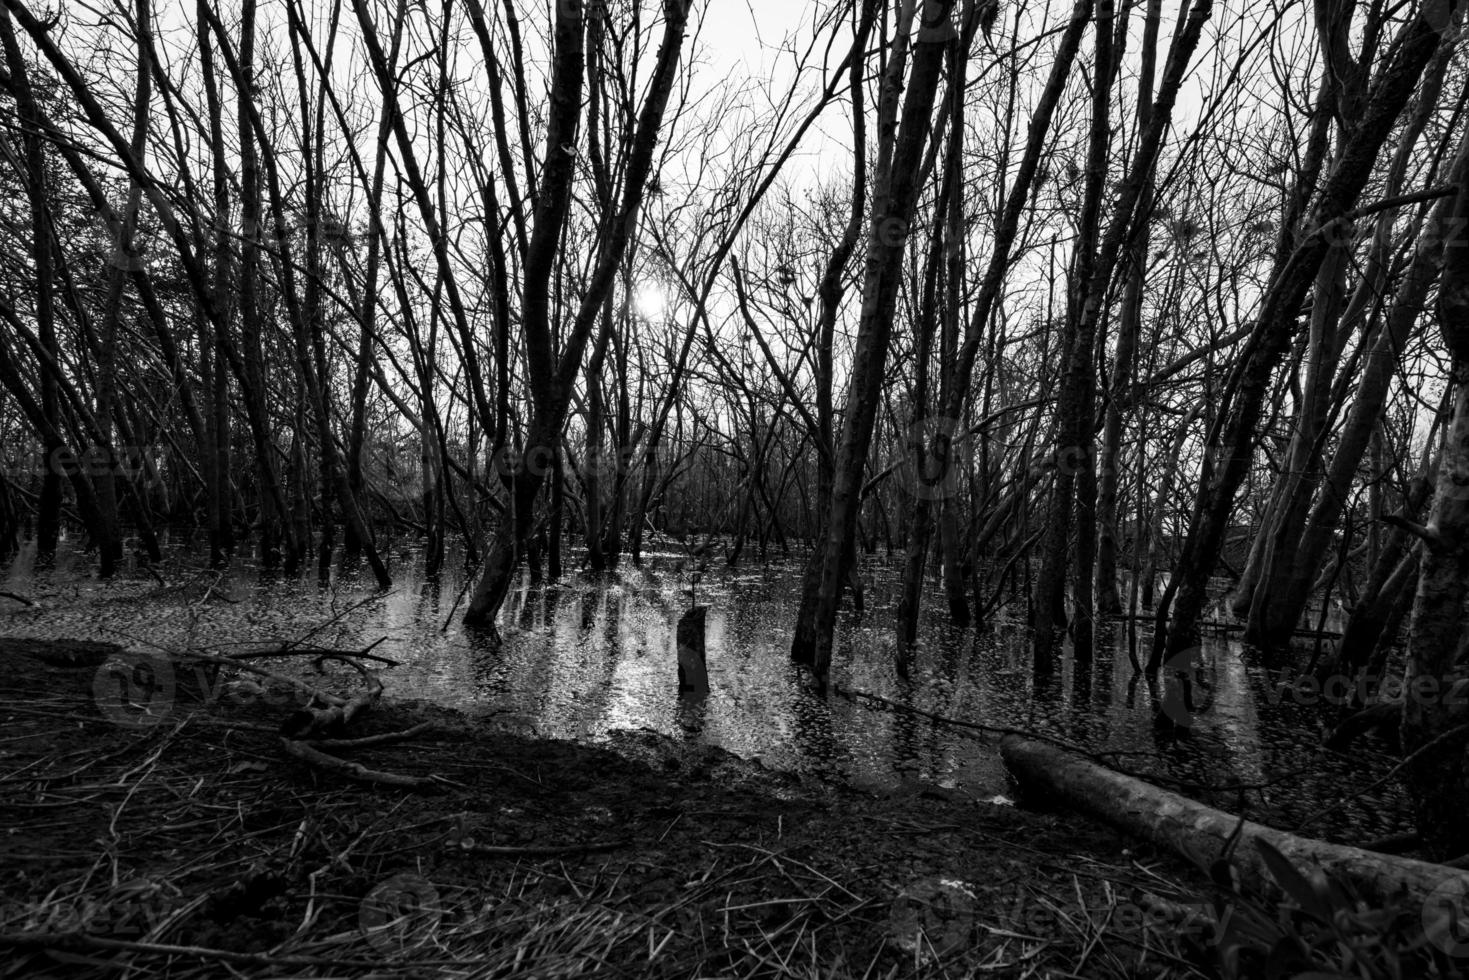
[(742, 32), (742, 40)]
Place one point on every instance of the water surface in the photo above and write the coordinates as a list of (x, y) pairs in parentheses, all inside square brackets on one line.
[(588, 656)]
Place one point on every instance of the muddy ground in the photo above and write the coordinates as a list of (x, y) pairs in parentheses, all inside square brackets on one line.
[(190, 843)]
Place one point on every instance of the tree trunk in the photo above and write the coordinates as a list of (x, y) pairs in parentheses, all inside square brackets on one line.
[(1075, 464), (305, 325), (1288, 592), (1434, 722), (48, 511), (1202, 834), (279, 538), (213, 337), (1276, 322), (927, 437), (552, 377), (1130, 321), (894, 199)]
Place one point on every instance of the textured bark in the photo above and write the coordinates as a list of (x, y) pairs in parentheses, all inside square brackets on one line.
[(596, 457), (1433, 721), (1200, 833), (952, 547), (598, 135)]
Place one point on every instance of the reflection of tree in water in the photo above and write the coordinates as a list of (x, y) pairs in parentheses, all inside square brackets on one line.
[(691, 714), (813, 733)]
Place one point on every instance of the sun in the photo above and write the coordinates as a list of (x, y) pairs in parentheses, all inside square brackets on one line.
[(650, 299)]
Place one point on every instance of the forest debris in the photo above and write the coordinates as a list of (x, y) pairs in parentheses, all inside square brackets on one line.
[(289, 650), (853, 694), (298, 685), (60, 653), (333, 718), (535, 850), (705, 894), (369, 741), (355, 771)]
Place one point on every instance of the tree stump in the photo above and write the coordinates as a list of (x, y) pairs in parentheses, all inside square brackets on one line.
[(693, 674)]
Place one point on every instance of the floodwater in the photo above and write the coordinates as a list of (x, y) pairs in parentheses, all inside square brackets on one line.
[(587, 657)]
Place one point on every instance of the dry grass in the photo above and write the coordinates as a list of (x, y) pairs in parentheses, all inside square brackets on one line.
[(197, 848)]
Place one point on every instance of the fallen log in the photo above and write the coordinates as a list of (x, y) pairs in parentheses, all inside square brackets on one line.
[(1199, 833)]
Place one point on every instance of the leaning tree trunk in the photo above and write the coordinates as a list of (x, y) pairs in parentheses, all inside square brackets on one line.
[(1204, 835), (1298, 480), (1233, 449), (895, 196), (48, 516), (831, 291), (109, 546), (1091, 301), (1434, 723), (1293, 551), (366, 344), (1289, 591)]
